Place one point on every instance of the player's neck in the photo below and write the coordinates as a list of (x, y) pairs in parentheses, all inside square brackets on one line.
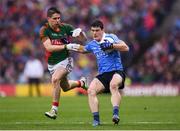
[(55, 28)]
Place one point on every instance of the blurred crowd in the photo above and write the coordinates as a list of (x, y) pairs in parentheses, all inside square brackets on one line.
[(132, 20)]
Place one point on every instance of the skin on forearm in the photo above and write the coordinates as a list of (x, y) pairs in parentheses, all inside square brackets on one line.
[(82, 49), (121, 46), (51, 48)]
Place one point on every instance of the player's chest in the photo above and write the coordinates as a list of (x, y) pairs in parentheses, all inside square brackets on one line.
[(56, 37), (98, 52)]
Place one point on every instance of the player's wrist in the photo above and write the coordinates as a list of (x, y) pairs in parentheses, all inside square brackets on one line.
[(65, 47), (112, 46), (73, 46), (107, 45)]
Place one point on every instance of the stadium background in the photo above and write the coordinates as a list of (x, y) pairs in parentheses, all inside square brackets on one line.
[(151, 28)]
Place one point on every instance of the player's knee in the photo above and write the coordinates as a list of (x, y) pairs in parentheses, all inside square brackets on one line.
[(54, 80), (65, 89), (91, 92), (114, 86)]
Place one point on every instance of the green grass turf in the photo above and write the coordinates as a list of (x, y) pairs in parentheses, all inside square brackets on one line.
[(138, 113)]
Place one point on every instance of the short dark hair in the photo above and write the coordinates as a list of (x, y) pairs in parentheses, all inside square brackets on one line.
[(52, 11), (97, 23)]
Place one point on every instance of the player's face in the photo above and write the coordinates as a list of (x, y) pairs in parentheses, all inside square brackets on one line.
[(97, 33), (54, 20)]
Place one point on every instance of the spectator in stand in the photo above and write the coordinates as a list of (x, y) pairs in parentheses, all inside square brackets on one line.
[(34, 71), (22, 20)]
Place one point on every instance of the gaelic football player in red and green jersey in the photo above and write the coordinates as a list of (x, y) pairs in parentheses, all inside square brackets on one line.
[(55, 35)]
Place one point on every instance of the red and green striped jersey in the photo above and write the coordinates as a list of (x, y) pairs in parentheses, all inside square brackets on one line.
[(46, 32)]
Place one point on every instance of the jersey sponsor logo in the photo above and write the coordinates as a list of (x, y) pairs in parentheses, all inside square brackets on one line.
[(100, 54), (56, 35), (94, 48), (56, 42)]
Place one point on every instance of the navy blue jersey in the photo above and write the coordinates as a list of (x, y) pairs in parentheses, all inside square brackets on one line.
[(109, 60)]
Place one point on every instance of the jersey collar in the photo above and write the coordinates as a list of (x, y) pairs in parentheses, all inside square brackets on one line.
[(102, 40), (57, 29)]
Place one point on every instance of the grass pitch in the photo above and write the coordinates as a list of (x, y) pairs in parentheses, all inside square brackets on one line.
[(140, 113)]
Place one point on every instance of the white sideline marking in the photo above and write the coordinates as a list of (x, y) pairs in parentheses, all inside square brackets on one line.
[(121, 123), (144, 122), (153, 122)]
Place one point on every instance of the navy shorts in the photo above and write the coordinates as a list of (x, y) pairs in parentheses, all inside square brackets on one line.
[(106, 77)]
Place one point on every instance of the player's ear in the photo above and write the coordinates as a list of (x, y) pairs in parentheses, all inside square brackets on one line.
[(48, 18), (102, 30)]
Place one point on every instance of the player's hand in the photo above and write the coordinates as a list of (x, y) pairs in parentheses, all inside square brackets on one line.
[(72, 46), (64, 41), (76, 32), (106, 45)]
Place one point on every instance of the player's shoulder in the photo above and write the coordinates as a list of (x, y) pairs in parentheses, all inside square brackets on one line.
[(44, 27), (91, 42), (43, 32), (66, 25), (110, 35)]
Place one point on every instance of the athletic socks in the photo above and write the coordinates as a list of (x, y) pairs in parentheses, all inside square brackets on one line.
[(55, 106), (80, 83), (96, 116), (116, 110)]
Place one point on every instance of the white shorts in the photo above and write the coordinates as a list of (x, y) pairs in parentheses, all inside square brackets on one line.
[(67, 64)]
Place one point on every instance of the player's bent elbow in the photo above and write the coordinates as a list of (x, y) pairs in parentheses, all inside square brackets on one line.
[(91, 92), (124, 48), (127, 48), (49, 50), (65, 89)]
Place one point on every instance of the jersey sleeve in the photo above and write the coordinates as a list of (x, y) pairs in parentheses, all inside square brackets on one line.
[(43, 34), (115, 38), (88, 47)]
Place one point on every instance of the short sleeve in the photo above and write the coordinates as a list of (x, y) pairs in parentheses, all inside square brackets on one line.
[(88, 47), (43, 34), (115, 38)]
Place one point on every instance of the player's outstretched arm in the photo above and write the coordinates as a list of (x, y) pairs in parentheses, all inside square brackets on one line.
[(76, 47), (51, 48)]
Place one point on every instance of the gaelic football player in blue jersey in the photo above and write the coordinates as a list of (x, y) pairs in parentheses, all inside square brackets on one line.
[(111, 77)]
